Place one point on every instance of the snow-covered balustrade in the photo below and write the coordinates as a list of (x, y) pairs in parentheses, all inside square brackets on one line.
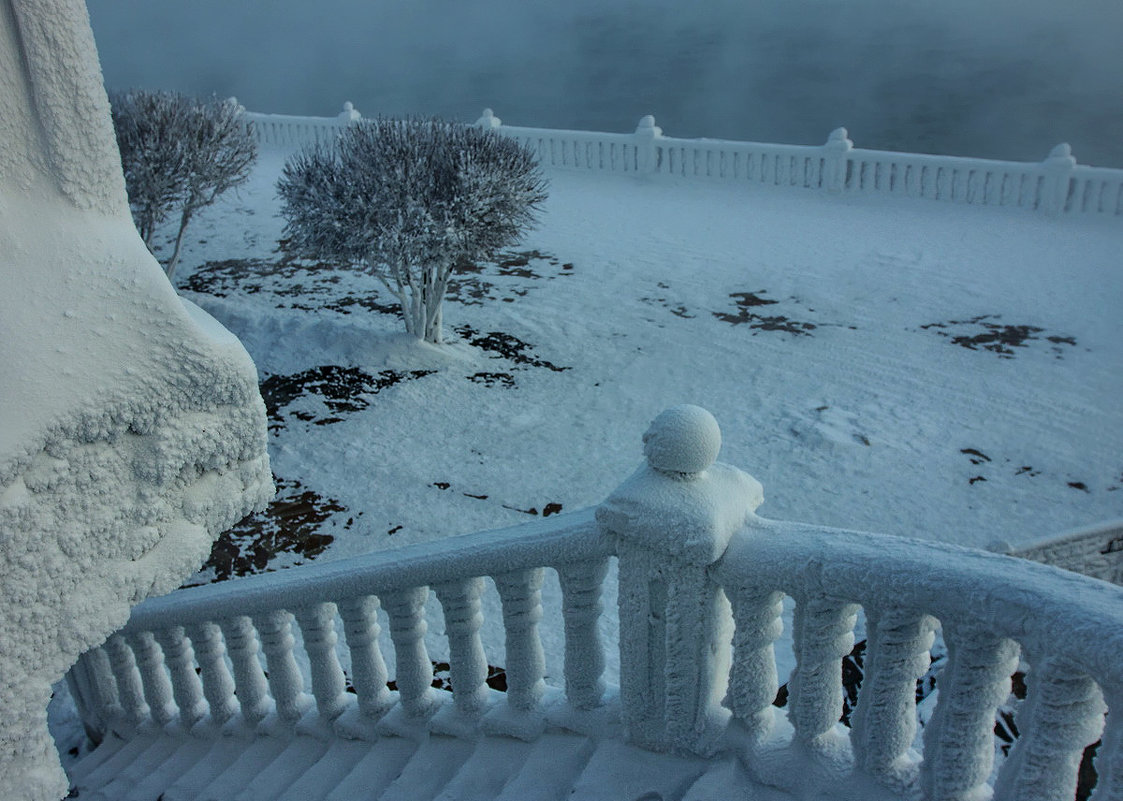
[(1057, 185), (145, 676), (702, 582)]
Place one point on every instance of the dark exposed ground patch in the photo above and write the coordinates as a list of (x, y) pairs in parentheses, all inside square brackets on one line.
[(493, 379), (762, 322), (983, 333), (291, 524), (308, 285), (442, 678), (505, 346), (342, 389)]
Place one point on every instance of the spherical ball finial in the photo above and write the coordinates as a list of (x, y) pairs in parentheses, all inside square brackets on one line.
[(683, 440)]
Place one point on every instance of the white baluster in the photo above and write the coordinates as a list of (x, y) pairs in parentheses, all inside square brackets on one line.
[(103, 705), (218, 684), (467, 662), (157, 687), (368, 669), (581, 610), (1109, 758), (130, 691), (823, 633), (187, 690), (317, 625), (1063, 713), (959, 739), (285, 680), (412, 666), (249, 679), (884, 724), (753, 682), (521, 595)]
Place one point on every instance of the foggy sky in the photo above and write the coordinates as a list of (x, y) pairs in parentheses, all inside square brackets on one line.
[(989, 78)]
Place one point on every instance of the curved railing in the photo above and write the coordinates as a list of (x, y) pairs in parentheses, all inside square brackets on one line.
[(992, 610), (702, 581)]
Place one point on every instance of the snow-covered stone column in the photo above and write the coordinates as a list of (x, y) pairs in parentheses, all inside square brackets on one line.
[(1058, 168), (131, 427), (646, 134), (672, 519), (836, 154)]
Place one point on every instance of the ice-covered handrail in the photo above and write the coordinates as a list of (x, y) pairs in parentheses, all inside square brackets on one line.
[(145, 676), (1057, 185), (688, 539)]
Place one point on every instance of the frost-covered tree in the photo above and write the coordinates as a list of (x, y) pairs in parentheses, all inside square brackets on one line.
[(179, 154), (411, 201)]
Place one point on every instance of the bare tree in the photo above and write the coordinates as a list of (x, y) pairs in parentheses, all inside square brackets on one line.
[(178, 154), (410, 201)]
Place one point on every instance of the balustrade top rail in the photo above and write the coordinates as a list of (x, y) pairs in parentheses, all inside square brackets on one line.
[(1047, 610), (1055, 186), (554, 541)]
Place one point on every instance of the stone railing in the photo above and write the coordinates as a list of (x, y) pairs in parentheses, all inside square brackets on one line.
[(701, 585), (1095, 551), (1055, 186)]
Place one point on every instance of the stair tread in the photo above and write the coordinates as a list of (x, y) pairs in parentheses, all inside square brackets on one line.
[(374, 771), (429, 770), (621, 771), (493, 762), (550, 769), (242, 771), (331, 769)]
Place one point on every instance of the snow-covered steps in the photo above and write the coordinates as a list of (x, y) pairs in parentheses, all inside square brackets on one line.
[(557, 765)]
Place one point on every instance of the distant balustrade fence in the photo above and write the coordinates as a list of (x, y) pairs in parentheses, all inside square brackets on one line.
[(1055, 186), (701, 584)]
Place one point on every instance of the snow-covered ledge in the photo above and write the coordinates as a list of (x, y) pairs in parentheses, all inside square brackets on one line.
[(131, 429)]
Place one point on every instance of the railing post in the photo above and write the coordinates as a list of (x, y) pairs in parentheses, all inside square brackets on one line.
[(251, 687), (884, 724), (368, 668), (157, 687), (959, 739), (1063, 713), (823, 633), (349, 115), (753, 682), (460, 601), (406, 609), (1058, 168), (521, 595), (218, 684), (672, 520), (187, 689), (285, 679), (836, 153), (317, 627), (488, 121), (647, 132), (584, 653)]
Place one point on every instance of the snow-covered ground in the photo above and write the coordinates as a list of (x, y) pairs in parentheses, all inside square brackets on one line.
[(900, 366)]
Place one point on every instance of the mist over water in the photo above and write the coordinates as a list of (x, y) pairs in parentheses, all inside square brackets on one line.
[(990, 78)]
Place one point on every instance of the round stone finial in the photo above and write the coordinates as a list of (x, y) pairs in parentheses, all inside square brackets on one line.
[(683, 440)]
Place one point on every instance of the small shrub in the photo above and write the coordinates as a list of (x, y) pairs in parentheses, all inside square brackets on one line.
[(411, 201), (178, 155)]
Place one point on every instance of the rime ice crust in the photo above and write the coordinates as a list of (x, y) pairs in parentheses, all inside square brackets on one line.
[(131, 428), (682, 502), (672, 519)]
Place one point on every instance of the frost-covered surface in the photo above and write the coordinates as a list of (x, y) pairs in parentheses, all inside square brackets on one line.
[(131, 429)]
